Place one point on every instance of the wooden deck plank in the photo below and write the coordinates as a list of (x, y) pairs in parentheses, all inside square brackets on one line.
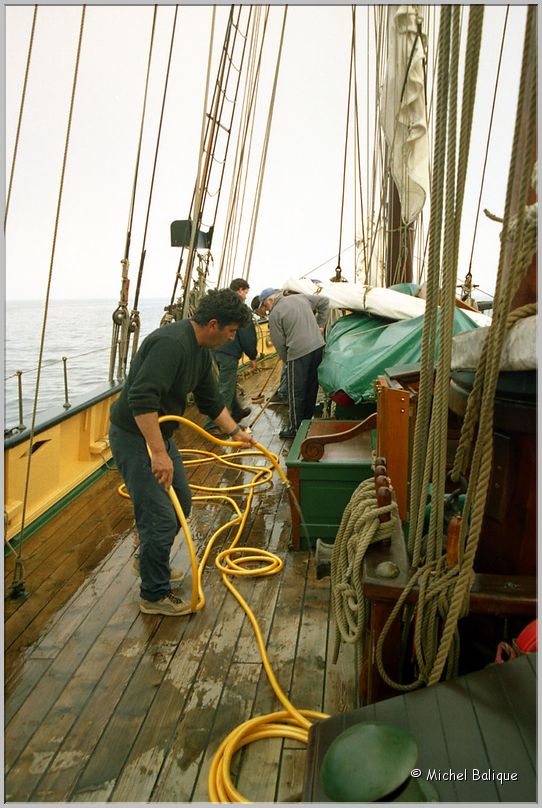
[(235, 703), (260, 769), (282, 640), (46, 741), (21, 685), (43, 614), (113, 747), (183, 761), (341, 688), (264, 599), (310, 658), (67, 571), (290, 782), (159, 730), (87, 534), (71, 541), (199, 629), (29, 716), (66, 616), (260, 762), (78, 746)]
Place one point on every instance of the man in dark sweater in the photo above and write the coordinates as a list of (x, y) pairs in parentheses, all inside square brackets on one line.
[(227, 358), (171, 362)]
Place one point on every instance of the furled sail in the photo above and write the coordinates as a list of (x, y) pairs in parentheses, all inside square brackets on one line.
[(380, 301), (403, 110)]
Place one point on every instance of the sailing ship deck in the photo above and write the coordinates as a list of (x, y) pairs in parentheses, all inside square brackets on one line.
[(103, 703)]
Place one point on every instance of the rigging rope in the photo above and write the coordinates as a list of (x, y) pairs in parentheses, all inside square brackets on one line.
[(454, 204), (119, 335), (347, 126), (134, 326), (21, 110), (428, 336), (256, 208), (18, 574), (212, 125), (197, 209), (357, 156), (232, 101), (469, 273), (247, 119), (452, 585)]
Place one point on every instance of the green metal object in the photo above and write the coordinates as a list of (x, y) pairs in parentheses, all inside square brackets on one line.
[(368, 762), (416, 790), (325, 487)]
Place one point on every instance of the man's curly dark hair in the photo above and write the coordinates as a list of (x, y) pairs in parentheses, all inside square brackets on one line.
[(222, 305), (239, 283)]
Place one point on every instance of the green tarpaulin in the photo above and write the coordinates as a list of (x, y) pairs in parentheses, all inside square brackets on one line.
[(360, 347)]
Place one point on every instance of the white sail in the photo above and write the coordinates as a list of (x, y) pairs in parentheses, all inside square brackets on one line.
[(403, 112), (380, 301)]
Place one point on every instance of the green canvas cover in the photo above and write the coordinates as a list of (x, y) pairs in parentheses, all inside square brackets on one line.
[(361, 346)]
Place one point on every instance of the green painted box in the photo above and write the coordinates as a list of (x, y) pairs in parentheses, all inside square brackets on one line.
[(323, 488)]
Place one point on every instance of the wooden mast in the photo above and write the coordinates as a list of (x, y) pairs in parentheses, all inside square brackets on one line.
[(400, 241)]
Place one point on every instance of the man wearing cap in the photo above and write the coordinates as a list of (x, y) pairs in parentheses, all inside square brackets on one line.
[(227, 358), (296, 325)]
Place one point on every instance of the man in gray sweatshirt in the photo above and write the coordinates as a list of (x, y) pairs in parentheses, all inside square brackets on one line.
[(296, 325)]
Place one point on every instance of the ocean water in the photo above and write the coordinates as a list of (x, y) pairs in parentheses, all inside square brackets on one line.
[(78, 329)]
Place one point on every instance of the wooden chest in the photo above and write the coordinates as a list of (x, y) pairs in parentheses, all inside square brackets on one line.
[(324, 487)]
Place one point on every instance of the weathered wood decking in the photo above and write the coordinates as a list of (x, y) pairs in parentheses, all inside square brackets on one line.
[(103, 703)]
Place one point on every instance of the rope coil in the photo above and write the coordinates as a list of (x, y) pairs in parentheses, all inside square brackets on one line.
[(360, 527)]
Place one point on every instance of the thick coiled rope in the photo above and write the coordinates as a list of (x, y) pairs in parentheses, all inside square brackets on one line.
[(360, 526)]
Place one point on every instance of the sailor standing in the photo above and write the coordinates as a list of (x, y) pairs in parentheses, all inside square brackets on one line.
[(296, 326)]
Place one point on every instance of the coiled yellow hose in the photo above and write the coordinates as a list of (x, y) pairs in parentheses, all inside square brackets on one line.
[(290, 722)]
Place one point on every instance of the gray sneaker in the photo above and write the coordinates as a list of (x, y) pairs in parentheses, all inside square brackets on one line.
[(170, 604), (176, 574)]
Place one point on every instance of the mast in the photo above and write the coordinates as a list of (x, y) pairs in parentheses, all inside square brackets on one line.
[(400, 241), (404, 122)]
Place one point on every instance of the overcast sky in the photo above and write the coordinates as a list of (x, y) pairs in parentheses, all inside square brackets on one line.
[(298, 226)]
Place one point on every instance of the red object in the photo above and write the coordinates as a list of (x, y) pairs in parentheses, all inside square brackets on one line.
[(342, 399), (526, 643)]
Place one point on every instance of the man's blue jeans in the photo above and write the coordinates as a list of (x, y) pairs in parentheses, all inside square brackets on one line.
[(155, 516)]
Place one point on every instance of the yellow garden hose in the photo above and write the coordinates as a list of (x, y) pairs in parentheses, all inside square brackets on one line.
[(290, 722)]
